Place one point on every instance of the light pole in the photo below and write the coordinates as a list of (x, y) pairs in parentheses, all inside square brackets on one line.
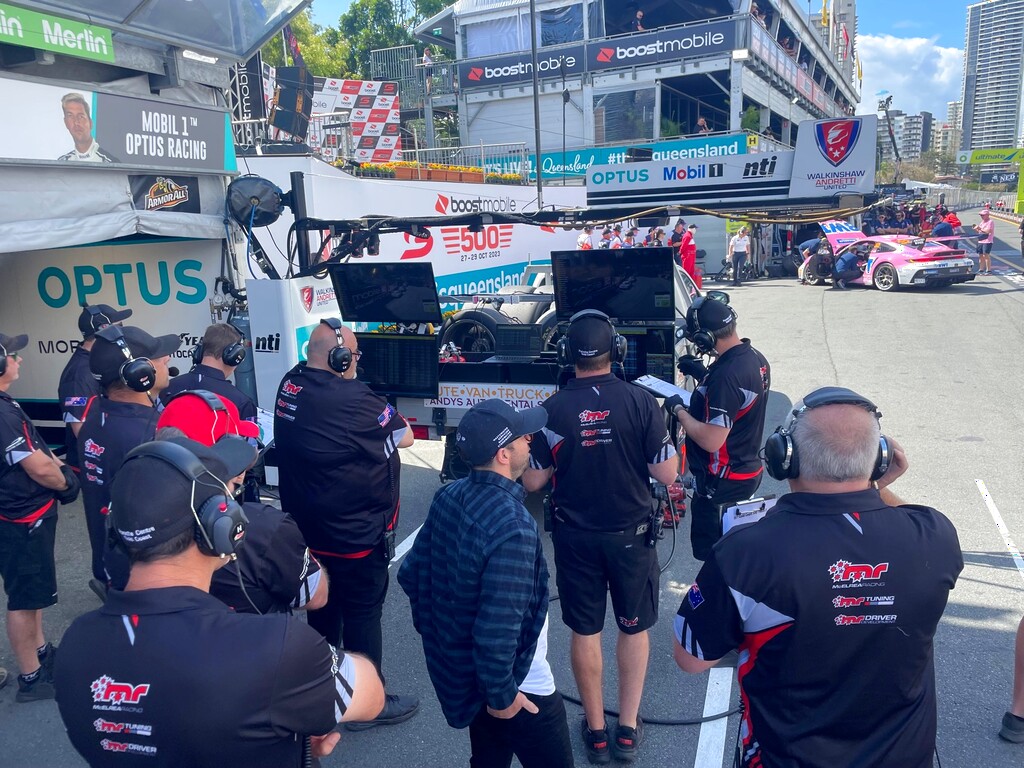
[(565, 101), (536, 100)]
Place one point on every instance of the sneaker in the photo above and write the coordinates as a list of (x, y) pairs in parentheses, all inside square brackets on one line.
[(595, 743), (1013, 728), (627, 741), (46, 662), (99, 589), (39, 689), (841, 285), (397, 709)]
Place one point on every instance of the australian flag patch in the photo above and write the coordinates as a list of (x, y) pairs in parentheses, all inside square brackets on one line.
[(695, 597)]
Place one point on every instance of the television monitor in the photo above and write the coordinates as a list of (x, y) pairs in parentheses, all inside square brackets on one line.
[(399, 365), (386, 293), (627, 284)]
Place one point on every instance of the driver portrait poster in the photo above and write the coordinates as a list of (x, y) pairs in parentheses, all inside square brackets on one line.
[(87, 128)]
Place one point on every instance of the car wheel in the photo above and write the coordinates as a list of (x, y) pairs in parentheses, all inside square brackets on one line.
[(473, 335), (885, 278), (812, 280)]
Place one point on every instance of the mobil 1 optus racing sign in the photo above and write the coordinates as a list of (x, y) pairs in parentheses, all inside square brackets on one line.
[(731, 180), (662, 46), (517, 68)]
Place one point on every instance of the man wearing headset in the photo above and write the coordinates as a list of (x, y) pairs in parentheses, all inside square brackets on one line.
[(32, 481), (166, 673), (77, 384), (274, 572), (215, 359), (832, 599), (725, 419), (132, 369), (603, 441), (337, 450)]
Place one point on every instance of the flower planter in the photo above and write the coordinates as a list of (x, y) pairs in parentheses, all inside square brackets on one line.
[(472, 177), (406, 174)]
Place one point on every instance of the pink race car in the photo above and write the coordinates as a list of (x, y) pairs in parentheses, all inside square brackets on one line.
[(891, 261)]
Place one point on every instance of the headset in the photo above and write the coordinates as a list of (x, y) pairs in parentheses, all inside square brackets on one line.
[(563, 351), (3, 360), (220, 522), (702, 338), (232, 355), (339, 359), (136, 373), (94, 315), (780, 455)]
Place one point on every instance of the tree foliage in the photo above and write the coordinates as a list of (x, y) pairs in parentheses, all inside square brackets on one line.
[(369, 25), (323, 48)]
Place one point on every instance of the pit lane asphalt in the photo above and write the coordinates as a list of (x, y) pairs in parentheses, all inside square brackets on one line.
[(945, 368)]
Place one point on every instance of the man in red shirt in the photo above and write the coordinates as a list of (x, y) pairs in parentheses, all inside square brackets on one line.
[(688, 251)]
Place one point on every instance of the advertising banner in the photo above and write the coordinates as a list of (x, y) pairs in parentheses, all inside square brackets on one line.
[(576, 162), (739, 179), (835, 157), (662, 46), (167, 285), (999, 177), (251, 101), (165, 193), (70, 125), (989, 156), (56, 34), (518, 67)]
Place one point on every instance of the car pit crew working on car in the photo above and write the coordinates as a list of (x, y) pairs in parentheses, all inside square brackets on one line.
[(604, 439), (725, 419), (164, 674), (832, 600)]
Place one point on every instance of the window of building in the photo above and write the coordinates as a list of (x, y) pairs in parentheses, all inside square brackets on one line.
[(624, 116), (561, 25)]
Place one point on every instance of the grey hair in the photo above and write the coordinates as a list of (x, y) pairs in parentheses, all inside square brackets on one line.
[(836, 447)]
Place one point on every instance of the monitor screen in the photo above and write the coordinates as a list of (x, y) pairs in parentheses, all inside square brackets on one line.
[(627, 284), (403, 366), (386, 293)]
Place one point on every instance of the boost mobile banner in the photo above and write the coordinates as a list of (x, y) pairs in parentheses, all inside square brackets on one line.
[(71, 125)]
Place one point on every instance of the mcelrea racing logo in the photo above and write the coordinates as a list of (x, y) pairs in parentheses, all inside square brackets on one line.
[(843, 570)]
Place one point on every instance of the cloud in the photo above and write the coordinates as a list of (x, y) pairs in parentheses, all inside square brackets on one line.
[(921, 75)]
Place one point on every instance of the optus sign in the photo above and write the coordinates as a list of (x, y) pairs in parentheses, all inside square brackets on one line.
[(156, 282)]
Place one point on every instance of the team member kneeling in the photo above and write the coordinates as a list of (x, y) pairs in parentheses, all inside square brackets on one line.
[(130, 675)]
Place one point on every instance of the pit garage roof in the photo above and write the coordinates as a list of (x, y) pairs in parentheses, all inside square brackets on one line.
[(231, 29)]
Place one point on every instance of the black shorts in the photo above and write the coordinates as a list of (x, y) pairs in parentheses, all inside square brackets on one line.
[(984, 248), (27, 566), (589, 564)]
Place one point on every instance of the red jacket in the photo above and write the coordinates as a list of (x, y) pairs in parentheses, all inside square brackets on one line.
[(688, 254)]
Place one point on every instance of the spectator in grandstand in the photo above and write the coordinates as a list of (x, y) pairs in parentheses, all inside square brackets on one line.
[(701, 127)]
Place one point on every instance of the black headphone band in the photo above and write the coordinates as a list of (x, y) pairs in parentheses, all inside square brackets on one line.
[(205, 395), (94, 312)]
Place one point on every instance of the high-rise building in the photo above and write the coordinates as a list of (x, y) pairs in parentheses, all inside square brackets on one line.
[(946, 135), (993, 69), (913, 135)]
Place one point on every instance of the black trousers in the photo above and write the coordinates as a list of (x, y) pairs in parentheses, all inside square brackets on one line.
[(539, 741), (845, 275), (96, 523), (355, 602), (705, 521), (739, 258)]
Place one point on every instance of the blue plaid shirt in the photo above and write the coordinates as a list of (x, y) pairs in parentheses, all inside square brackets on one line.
[(478, 585)]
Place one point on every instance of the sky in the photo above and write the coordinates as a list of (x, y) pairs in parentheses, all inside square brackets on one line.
[(911, 48)]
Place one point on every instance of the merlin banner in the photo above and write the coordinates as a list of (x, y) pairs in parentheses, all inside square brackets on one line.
[(68, 124)]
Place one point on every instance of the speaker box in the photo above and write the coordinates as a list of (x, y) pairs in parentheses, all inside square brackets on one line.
[(290, 122)]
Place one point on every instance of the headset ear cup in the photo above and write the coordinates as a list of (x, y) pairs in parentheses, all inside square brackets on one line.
[(139, 374), (563, 352), (197, 353), (780, 457), (339, 359), (884, 458), (222, 524), (3, 365), (619, 347), (233, 354), (114, 538)]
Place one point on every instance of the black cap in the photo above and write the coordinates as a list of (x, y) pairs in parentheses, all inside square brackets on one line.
[(12, 344), (493, 424), (617, 228), (151, 501), (713, 315), (106, 357), (99, 316), (590, 336)]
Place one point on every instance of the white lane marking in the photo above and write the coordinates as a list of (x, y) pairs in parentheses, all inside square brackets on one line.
[(714, 734), (1001, 526), (404, 547)]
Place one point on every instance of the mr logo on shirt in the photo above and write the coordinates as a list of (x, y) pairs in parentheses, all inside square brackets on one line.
[(843, 570), (593, 417), (108, 690)]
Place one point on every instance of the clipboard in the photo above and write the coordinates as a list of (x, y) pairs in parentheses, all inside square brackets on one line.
[(662, 389), (745, 512)]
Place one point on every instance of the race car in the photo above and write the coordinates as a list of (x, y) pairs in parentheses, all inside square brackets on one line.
[(893, 261)]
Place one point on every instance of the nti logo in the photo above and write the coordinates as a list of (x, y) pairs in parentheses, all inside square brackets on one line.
[(445, 205), (760, 170)]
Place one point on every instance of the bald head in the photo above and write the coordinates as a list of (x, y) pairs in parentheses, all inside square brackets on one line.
[(837, 443), (322, 341)]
